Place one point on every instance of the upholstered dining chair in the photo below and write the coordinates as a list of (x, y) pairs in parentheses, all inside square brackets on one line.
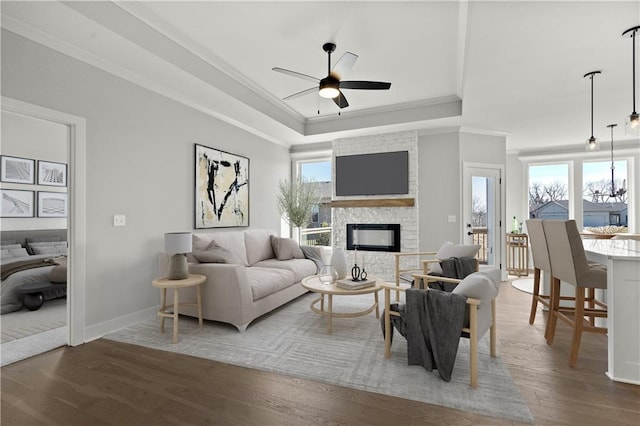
[(541, 262), (481, 290), (569, 264)]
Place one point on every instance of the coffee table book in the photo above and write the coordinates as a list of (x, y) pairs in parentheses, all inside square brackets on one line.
[(348, 284)]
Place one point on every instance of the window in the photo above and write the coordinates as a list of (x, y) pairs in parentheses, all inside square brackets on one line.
[(319, 230), (604, 203), (549, 191)]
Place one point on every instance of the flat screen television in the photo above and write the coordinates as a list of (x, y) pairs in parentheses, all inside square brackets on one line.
[(383, 173)]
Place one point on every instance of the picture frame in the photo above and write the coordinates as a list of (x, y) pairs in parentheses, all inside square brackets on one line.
[(221, 189), (17, 169), (51, 173), (52, 204), (17, 203)]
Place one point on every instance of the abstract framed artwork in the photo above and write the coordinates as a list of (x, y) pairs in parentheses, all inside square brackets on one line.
[(53, 174), (221, 188), (16, 203), (52, 204), (17, 170)]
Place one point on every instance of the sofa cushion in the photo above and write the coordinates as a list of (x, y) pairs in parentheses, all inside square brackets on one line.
[(232, 241), (448, 250), (266, 281), (216, 254), (286, 248), (258, 244), (301, 268)]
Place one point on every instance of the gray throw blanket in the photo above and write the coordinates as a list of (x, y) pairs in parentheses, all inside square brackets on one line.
[(313, 253), (454, 267), (432, 322)]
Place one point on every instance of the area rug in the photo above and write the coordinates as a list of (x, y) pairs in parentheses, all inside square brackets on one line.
[(524, 284), (23, 323), (293, 340)]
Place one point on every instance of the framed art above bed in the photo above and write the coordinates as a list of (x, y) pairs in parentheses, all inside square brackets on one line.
[(16, 203), (221, 188), (17, 170)]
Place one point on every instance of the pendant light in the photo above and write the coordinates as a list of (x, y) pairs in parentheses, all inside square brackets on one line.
[(622, 190), (592, 142), (632, 122)]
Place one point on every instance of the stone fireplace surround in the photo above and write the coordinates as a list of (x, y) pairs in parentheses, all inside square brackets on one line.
[(392, 209)]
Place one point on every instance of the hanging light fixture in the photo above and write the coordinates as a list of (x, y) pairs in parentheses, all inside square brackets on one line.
[(622, 190), (592, 142), (632, 122)]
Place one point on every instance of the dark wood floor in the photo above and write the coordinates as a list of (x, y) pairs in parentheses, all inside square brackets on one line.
[(105, 382)]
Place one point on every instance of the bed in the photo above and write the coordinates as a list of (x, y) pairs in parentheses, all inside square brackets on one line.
[(30, 257)]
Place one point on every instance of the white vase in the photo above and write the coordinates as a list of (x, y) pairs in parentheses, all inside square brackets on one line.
[(339, 262)]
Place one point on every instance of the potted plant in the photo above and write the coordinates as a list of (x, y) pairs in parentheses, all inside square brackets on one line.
[(296, 200)]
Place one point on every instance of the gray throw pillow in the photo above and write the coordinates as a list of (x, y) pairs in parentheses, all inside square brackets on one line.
[(216, 254), (286, 248)]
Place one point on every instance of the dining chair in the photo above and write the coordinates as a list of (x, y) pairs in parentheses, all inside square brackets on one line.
[(569, 264)]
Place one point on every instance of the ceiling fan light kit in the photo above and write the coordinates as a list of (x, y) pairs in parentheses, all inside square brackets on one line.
[(632, 122), (330, 86)]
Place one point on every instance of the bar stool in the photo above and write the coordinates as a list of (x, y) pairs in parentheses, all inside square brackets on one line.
[(569, 264)]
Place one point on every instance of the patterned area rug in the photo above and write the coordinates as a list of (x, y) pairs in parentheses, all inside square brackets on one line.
[(293, 340), (23, 323)]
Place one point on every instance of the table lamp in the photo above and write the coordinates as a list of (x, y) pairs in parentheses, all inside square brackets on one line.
[(177, 245)]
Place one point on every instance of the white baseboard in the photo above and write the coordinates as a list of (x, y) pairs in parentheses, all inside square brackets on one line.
[(99, 330)]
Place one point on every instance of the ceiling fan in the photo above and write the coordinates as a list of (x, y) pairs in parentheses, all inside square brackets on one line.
[(331, 86)]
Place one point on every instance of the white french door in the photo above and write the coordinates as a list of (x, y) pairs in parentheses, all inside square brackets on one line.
[(482, 211)]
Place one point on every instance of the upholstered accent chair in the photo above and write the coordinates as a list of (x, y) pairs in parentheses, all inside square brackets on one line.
[(569, 264), (481, 290)]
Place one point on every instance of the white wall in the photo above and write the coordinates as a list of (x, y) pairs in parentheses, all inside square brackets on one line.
[(35, 139), (140, 163), (440, 187)]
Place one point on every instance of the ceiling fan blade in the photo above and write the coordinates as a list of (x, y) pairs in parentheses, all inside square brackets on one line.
[(296, 74), (302, 93), (367, 85), (341, 101), (344, 64)]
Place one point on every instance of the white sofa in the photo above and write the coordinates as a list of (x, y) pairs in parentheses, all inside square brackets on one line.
[(256, 283)]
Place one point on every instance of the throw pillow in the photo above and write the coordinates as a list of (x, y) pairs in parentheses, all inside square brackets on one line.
[(286, 248), (58, 274), (449, 249), (479, 285), (216, 254), (18, 252)]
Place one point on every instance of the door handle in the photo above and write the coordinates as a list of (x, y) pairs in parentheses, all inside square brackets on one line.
[(469, 233)]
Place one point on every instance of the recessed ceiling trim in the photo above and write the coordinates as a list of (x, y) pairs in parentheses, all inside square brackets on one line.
[(388, 115)]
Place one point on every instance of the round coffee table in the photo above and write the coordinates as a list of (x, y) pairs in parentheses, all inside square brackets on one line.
[(314, 284)]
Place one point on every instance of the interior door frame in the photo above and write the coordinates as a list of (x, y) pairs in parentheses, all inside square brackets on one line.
[(76, 221), (499, 221)]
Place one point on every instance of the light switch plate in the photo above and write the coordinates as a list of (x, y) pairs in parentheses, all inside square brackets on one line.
[(452, 218), (119, 220)]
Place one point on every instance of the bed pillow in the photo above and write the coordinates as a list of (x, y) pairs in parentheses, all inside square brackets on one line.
[(11, 246), (14, 252), (286, 248), (216, 254), (449, 249), (59, 247)]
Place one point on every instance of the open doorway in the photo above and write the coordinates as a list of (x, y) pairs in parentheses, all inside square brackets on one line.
[(44, 312)]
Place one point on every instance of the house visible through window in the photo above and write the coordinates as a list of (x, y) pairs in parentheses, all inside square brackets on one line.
[(549, 191)]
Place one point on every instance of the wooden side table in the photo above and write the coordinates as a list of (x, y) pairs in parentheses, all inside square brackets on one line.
[(518, 254), (163, 284)]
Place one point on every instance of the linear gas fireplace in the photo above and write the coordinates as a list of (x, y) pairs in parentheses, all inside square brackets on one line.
[(373, 237)]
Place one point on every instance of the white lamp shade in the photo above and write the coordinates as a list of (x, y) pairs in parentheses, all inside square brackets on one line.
[(177, 242)]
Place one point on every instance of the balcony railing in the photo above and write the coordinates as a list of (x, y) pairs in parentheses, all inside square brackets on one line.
[(316, 236), (480, 238)]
